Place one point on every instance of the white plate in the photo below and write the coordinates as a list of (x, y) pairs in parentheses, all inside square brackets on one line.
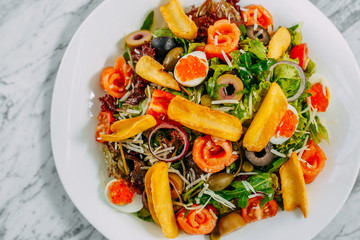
[(79, 160)]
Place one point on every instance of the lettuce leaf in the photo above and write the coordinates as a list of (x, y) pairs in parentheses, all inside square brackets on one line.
[(296, 34), (318, 131), (255, 47), (287, 76), (258, 93), (261, 183)]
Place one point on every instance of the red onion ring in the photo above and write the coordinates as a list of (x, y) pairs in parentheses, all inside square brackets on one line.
[(166, 125), (301, 74)]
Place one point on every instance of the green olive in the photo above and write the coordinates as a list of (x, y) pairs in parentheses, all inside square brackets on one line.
[(206, 100), (220, 181), (138, 38), (247, 167), (172, 57), (230, 222)]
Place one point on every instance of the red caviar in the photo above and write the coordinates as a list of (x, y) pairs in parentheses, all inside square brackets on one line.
[(288, 125), (120, 193), (317, 98), (190, 68)]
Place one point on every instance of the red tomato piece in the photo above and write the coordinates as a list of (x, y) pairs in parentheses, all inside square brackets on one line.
[(159, 104), (196, 222), (314, 161), (318, 99), (103, 127), (300, 52), (212, 154), (253, 212)]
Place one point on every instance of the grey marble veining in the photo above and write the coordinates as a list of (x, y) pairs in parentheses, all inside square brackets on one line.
[(33, 38)]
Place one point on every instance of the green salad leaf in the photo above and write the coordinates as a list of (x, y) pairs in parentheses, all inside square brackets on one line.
[(296, 34), (260, 183), (149, 21)]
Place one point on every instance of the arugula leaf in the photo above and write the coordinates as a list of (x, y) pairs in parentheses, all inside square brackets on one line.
[(261, 183), (277, 164), (148, 23), (296, 34)]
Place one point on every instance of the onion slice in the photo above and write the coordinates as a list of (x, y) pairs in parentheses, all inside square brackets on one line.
[(179, 129), (301, 74)]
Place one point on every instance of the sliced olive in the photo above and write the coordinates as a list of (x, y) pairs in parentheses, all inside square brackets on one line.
[(172, 57), (162, 46), (230, 222), (138, 38), (262, 158), (259, 33), (233, 86), (220, 181)]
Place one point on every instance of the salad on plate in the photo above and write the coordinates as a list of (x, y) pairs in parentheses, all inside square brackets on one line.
[(212, 122)]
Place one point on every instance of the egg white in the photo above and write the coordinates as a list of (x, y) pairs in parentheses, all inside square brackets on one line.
[(281, 139), (132, 207), (196, 81)]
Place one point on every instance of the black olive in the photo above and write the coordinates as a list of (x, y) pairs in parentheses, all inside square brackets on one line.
[(264, 37), (162, 46), (262, 158)]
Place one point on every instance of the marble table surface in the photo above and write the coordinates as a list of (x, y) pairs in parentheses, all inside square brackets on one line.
[(33, 38)]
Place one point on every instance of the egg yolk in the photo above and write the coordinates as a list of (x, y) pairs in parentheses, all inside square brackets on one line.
[(287, 125), (120, 193), (190, 68), (317, 98)]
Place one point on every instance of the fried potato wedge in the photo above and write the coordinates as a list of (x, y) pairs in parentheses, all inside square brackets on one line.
[(293, 185), (279, 43), (148, 191), (205, 120), (127, 128), (151, 70), (179, 23), (266, 120), (161, 197)]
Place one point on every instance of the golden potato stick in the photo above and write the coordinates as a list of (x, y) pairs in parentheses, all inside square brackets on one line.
[(161, 194), (123, 159), (266, 120), (205, 120), (130, 127), (293, 185), (148, 191), (151, 70), (179, 23), (279, 43)]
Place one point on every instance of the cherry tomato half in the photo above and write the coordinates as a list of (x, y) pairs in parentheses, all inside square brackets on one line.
[(301, 52), (253, 212), (103, 127)]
